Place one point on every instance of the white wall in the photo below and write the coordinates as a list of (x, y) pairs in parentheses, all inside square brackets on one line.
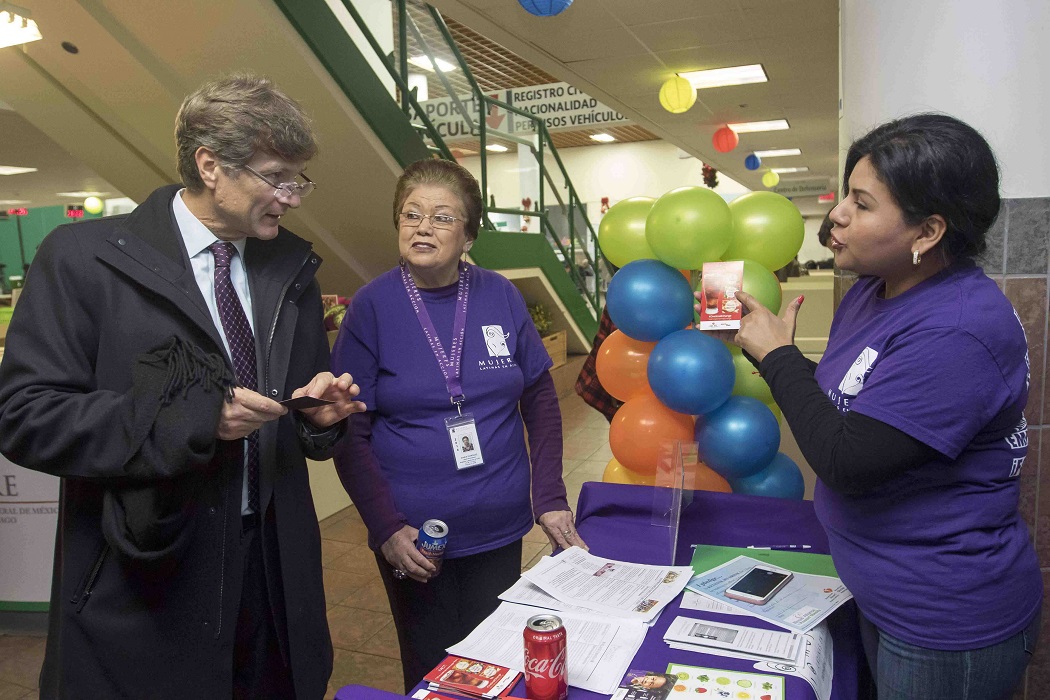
[(616, 171), (983, 62)]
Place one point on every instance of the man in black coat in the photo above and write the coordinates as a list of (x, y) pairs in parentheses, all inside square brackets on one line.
[(144, 365)]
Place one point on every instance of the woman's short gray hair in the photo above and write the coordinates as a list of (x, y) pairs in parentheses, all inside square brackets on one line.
[(235, 117)]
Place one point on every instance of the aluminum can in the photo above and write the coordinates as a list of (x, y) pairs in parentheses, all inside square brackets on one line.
[(433, 537), (546, 671)]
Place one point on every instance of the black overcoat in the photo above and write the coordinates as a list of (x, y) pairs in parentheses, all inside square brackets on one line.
[(100, 294)]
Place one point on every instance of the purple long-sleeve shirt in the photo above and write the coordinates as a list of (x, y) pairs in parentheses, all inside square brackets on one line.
[(398, 465)]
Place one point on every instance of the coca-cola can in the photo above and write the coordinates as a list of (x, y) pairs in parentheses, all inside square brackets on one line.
[(546, 671)]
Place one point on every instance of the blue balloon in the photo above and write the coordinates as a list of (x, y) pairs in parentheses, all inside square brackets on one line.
[(738, 439), (545, 8), (648, 299), (691, 372), (781, 479), (752, 162)]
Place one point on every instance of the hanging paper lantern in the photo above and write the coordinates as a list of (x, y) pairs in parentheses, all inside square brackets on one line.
[(725, 140), (770, 179), (545, 8), (752, 162), (93, 205), (677, 95)]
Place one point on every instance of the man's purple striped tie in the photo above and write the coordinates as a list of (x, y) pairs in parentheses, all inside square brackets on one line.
[(242, 349)]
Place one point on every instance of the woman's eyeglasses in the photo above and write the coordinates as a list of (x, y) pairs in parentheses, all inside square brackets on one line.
[(413, 219)]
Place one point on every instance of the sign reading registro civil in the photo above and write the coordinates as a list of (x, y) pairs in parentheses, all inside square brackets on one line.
[(560, 105)]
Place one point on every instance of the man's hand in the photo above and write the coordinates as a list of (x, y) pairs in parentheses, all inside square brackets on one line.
[(246, 414), (341, 390), (401, 553)]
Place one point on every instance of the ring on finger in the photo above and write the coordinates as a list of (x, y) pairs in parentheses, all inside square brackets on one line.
[(399, 574)]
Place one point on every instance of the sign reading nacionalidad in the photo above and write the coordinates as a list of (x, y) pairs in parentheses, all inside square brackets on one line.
[(560, 106)]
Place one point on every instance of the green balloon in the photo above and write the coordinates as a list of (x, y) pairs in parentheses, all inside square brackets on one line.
[(762, 285), (689, 226), (748, 381), (621, 234), (767, 228)]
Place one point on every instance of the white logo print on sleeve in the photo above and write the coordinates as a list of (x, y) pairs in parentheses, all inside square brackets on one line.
[(496, 341), (853, 381)]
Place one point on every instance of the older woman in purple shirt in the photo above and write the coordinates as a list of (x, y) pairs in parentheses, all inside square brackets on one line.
[(443, 351)]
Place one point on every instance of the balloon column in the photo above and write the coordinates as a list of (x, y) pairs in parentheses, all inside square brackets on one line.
[(679, 384)]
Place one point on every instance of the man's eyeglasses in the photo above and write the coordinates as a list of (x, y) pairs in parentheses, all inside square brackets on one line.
[(413, 219), (284, 190)]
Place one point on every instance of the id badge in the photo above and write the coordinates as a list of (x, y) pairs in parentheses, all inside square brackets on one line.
[(465, 445)]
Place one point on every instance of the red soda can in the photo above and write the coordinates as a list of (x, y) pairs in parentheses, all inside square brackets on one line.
[(546, 672)]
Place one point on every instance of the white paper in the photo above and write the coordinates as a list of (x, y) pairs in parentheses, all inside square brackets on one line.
[(526, 593), (707, 635), (598, 651), (815, 663), (802, 604), (620, 588), (695, 601)]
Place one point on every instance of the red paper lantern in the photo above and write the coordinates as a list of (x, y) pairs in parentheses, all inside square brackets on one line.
[(725, 140)]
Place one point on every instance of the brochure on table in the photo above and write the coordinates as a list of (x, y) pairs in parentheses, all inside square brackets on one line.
[(799, 606)]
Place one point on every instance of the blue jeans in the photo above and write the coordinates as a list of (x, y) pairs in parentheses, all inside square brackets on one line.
[(907, 672)]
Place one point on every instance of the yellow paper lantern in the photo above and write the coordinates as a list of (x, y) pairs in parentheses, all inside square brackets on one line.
[(770, 179), (677, 95), (93, 205)]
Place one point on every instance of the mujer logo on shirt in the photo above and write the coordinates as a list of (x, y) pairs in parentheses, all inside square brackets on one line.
[(496, 341)]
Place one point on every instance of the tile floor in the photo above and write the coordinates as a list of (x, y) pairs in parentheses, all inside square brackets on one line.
[(358, 614)]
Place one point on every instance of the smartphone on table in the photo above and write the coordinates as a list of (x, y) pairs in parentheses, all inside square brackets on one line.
[(759, 585)]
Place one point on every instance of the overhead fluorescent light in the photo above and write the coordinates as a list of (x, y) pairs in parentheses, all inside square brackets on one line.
[(10, 202), (16, 27), (496, 148), (783, 171), (80, 195), (721, 77), (424, 63), (603, 138), (14, 170), (750, 127), (778, 152)]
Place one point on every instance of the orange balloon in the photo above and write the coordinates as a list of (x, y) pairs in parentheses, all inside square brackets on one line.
[(688, 274), (621, 365), (616, 473), (642, 428), (707, 479)]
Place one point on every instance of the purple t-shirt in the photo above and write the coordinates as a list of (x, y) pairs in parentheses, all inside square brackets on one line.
[(383, 346), (938, 557)]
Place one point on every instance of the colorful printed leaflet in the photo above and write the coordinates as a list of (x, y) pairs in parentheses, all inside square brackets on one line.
[(457, 674), (693, 682)]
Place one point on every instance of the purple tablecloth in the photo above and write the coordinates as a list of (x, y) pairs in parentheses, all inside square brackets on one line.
[(616, 522)]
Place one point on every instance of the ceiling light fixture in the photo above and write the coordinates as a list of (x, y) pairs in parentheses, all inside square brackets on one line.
[(800, 169), (779, 152), (424, 63), (15, 170), (751, 127), (16, 27), (603, 138), (81, 195), (722, 77), (496, 148)]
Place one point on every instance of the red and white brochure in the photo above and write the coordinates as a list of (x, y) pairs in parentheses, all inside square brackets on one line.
[(457, 674), (719, 283)]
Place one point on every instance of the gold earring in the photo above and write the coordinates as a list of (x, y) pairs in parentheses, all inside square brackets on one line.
[(915, 257)]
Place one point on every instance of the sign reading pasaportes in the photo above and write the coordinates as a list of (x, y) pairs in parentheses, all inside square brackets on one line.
[(559, 105)]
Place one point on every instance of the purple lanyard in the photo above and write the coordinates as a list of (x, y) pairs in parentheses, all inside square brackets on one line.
[(451, 364)]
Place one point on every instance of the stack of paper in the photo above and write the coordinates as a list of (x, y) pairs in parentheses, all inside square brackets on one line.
[(473, 678), (715, 637), (598, 650), (615, 588)]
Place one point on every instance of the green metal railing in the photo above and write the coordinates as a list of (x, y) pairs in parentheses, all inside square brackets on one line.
[(538, 142)]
